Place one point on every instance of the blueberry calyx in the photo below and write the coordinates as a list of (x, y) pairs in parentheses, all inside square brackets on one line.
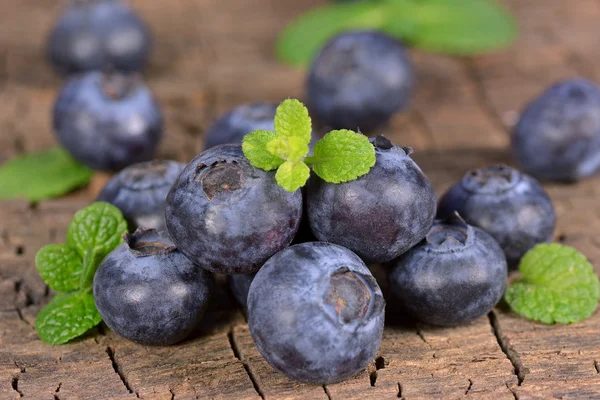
[(148, 242), (349, 298), (450, 235), (139, 174), (382, 143), (117, 86), (219, 178), (494, 179)]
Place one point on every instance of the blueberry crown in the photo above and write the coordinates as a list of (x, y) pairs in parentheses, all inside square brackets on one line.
[(148, 242), (494, 179), (449, 235)]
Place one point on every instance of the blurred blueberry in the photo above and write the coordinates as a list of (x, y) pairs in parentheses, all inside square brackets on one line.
[(359, 80), (558, 135), (107, 121), (96, 35)]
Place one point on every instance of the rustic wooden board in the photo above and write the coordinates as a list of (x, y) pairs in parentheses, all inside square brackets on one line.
[(211, 55)]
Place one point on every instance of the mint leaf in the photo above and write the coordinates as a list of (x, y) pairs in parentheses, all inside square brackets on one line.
[(254, 146), (43, 175), (292, 149), (460, 27), (66, 317), (292, 176), (342, 156), (94, 232), (60, 267), (292, 120), (303, 38), (557, 285)]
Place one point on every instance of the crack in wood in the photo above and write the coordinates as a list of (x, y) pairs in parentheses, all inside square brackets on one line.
[(238, 354), (56, 391), (379, 364), (597, 366), (399, 394), (172, 393), (118, 370), (470, 386), (15, 385), (514, 358), (327, 392), (513, 392)]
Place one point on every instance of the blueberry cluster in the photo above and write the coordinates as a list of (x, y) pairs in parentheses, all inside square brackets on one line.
[(297, 261)]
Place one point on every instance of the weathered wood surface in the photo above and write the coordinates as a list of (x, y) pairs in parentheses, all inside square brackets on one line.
[(211, 55)]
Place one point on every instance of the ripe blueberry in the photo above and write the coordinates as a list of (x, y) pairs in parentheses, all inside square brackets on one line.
[(107, 121), (148, 292), (140, 192), (316, 313), (96, 35), (235, 124), (380, 215), (558, 135), (227, 216), (509, 205), (456, 275), (359, 80)]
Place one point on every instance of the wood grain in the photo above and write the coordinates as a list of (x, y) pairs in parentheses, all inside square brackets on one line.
[(211, 55)]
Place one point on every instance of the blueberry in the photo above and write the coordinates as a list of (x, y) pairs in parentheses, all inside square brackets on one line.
[(148, 292), (509, 205), (558, 135), (380, 215), (456, 275), (235, 124), (239, 285), (227, 216), (140, 192), (359, 80), (107, 121), (316, 313), (98, 34)]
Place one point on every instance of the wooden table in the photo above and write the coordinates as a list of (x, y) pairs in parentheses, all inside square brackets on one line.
[(211, 55)]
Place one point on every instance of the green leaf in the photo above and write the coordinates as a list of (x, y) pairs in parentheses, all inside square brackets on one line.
[(342, 156), (43, 175), (60, 267), (94, 232), (292, 149), (292, 176), (557, 285), (67, 317), (303, 38), (460, 27), (292, 120), (254, 146)]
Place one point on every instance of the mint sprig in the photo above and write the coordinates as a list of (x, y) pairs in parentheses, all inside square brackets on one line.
[(458, 27), (557, 285), (69, 268), (44, 175), (341, 156)]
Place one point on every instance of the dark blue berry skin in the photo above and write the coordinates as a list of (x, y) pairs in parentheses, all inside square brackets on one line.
[(227, 216), (150, 293), (97, 35), (316, 313), (456, 275), (380, 215), (240, 285), (509, 205), (359, 80), (235, 124), (107, 122), (140, 192), (558, 135)]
